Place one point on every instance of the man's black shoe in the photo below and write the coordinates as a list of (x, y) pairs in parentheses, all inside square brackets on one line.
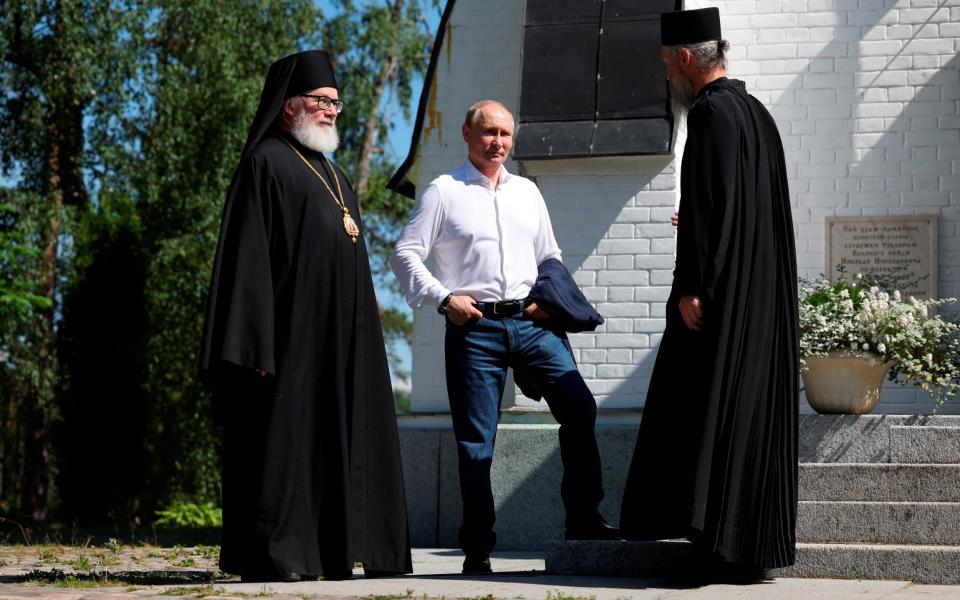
[(291, 578), (476, 564), (591, 526)]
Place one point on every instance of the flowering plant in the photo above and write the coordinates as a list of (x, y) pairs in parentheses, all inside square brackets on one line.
[(860, 316)]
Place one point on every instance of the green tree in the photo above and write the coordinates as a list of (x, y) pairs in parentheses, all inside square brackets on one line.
[(391, 40), (120, 128), (209, 58), (65, 63)]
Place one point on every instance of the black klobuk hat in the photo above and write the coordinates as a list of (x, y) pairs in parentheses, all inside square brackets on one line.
[(685, 27)]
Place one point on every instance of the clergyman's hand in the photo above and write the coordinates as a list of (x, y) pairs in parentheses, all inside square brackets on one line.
[(675, 219), (691, 311), (461, 309), (261, 372), (535, 312)]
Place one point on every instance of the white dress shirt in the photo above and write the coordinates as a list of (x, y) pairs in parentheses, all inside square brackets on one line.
[(486, 243)]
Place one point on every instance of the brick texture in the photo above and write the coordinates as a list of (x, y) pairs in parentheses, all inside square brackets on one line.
[(866, 94)]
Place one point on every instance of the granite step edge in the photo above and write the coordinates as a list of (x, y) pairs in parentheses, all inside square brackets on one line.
[(929, 564), (872, 522)]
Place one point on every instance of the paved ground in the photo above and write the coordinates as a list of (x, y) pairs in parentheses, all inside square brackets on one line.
[(436, 575)]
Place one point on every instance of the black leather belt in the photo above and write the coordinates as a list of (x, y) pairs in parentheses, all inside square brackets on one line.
[(506, 308)]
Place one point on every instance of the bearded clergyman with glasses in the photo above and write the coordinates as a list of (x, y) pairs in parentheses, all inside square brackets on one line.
[(294, 352)]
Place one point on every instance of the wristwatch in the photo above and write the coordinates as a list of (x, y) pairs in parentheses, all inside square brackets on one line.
[(442, 309)]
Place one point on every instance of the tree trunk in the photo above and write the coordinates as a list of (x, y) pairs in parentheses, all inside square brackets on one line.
[(37, 444), (388, 69)]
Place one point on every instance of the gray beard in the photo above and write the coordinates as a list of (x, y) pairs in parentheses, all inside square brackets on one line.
[(681, 96), (315, 137)]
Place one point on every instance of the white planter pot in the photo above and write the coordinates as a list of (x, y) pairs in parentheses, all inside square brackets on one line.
[(844, 382)]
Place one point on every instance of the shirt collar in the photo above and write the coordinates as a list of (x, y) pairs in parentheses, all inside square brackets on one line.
[(473, 173)]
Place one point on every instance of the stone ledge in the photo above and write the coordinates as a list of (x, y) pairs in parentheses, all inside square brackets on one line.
[(879, 522), (621, 558), (857, 438), (673, 558), (925, 444), (880, 482), (920, 564)]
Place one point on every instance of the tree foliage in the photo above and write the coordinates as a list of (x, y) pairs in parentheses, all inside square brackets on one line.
[(120, 129)]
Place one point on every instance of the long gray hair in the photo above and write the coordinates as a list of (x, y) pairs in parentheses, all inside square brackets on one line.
[(708, 55)]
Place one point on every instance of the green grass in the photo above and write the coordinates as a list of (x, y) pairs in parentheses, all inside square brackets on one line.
[(207, 552), (47, 555), (558, 595), (82, 563), (179, 591), (57, 578)]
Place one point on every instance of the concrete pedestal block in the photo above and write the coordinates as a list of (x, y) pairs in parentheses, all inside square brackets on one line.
[(525, 477)]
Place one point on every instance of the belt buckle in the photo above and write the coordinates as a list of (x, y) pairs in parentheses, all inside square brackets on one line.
[(511, 304)]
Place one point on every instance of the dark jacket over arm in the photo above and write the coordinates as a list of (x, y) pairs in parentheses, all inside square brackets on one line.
[(557, 292)]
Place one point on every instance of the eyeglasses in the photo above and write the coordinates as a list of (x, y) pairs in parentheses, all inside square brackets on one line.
[(323, 103)]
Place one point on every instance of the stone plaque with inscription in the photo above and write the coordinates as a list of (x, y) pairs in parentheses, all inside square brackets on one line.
[(903, 246)]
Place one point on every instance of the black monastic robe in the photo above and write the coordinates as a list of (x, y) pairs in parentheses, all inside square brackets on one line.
[(716, 454), (312, 477)]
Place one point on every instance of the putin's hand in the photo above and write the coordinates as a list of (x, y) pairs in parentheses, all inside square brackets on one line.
[(461, 309), (535, 312)]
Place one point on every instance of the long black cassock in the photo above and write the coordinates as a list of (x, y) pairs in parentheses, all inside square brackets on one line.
[(312, 479), (716, 454)]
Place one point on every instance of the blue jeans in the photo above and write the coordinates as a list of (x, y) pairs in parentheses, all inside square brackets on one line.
[(477, 356)]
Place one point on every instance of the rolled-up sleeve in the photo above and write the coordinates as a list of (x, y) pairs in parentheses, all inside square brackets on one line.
[(413, 247)]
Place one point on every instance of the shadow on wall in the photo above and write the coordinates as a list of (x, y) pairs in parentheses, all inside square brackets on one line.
[(611, 217), (863, 126)]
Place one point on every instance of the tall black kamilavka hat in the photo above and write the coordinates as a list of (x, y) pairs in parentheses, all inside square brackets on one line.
[(690, 26), (288, 77)]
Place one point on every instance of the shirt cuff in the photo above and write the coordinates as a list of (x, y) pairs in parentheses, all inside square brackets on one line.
[(436, 295)]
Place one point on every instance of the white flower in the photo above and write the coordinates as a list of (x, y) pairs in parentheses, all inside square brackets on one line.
[(896, 295), (844, 293), (881, 348), (866, 346)]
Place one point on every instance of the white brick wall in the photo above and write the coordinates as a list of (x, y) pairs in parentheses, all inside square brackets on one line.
[(866, 94), (868, 113)]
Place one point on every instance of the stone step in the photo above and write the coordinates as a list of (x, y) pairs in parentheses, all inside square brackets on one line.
[(671, 558), (920, 564), (857, 438), (619, 558), (925, 444), (879, 522), (872, 482)]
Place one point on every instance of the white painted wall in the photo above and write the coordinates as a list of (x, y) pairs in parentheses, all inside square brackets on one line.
[(866, 94)]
